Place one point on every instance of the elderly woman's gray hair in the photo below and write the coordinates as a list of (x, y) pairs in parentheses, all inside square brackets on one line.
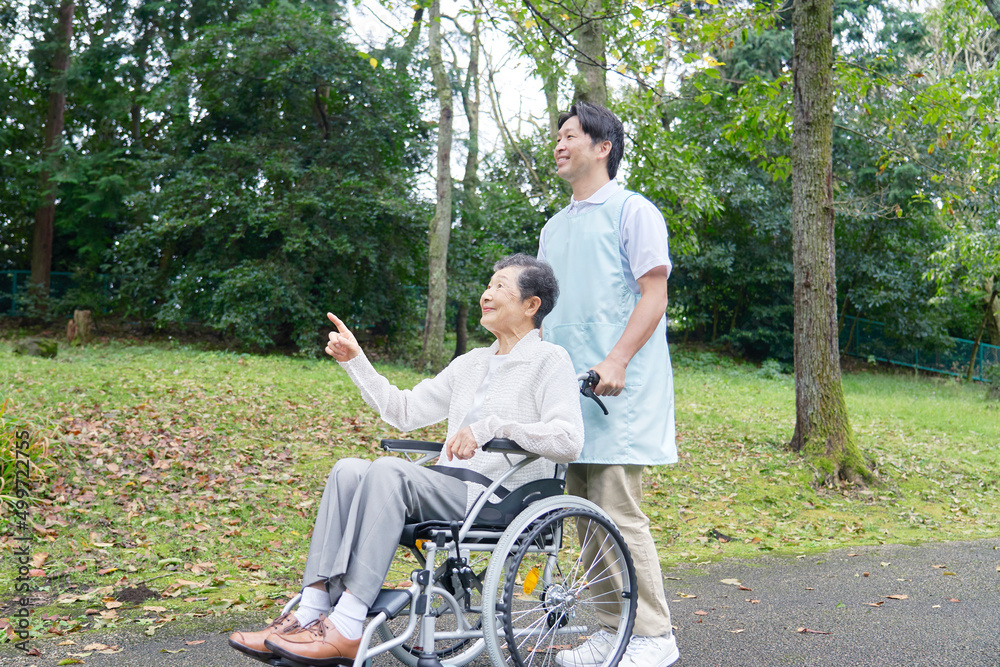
[(536, 279)]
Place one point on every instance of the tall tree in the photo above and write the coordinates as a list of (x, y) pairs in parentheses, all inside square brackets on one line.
[(471, 102), (45, 214), (440, 228), (822, 428), (282, 196)]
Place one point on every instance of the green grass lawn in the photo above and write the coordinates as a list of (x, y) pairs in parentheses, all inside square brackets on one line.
[(193, 476)]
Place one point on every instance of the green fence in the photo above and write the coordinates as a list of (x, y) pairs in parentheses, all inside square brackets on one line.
[(867, 339), (14, 288)]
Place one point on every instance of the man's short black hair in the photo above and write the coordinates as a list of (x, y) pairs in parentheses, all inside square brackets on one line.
[(536, 279), (600, 124)]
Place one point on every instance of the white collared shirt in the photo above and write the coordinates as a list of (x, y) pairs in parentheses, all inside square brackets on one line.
[(643, 238)]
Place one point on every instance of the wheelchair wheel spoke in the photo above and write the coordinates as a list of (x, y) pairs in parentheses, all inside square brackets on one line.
[(555, 600)]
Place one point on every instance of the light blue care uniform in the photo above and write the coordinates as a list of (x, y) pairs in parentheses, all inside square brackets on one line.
[(594, 305)]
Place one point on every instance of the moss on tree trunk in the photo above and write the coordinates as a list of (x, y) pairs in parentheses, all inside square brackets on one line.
[(822, 428)]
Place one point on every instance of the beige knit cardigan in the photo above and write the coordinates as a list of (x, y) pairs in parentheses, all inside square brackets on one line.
[(533, 399)]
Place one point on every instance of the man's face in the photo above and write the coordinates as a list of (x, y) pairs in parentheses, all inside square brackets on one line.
[(577, 156)]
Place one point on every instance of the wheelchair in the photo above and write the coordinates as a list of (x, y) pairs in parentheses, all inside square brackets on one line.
[(512, 579)]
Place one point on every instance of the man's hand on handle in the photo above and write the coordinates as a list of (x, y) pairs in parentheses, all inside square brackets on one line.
[(612, 376), (342, 346)]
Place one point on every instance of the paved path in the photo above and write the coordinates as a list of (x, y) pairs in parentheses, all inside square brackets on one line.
[(950, 615)]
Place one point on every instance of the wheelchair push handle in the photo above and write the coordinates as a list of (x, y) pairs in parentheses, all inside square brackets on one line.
[(588, 381)]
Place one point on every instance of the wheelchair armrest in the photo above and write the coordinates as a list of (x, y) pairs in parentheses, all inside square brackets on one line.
[(504, 446), (412, 446)]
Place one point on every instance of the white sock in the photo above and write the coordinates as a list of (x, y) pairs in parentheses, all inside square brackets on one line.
[(314, 602), (348, 616)]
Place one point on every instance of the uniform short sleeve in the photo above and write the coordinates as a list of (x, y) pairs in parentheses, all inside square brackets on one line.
[(644, 238)]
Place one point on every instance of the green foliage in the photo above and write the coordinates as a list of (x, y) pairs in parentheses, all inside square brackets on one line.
[(288, 193), (739, 290)]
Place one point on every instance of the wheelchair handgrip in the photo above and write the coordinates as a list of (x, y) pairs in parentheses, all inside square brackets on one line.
[(501, 445), (414, 446)]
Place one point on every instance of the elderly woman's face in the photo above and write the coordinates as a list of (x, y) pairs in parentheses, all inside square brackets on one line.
[(503, 310)]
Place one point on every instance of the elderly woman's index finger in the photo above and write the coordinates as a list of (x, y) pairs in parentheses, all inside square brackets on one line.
[(336, 321)]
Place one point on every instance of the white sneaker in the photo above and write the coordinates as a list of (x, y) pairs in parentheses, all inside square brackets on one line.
[(590, 653), (650, 652)]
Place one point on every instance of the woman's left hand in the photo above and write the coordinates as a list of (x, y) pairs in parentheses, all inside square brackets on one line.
[(462, 445)]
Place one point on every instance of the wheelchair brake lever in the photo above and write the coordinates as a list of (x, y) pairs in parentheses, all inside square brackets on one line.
[(587, 389)]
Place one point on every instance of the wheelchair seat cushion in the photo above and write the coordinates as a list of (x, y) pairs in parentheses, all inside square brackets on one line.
[(493, 515)]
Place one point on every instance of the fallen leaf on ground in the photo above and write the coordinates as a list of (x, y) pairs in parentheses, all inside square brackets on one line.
[(701, 613), (744, 588), (813, 632), (898, 597), (195, 643), (736, 632), (953, 600), (752, 601), (876, 604), (730, 582), (687, 595), (939, 567)]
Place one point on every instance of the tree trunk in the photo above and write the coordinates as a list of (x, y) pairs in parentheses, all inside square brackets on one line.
[(591, 84), (471, 100), (412, 37), (45, 214), (84, 321), (461, 329), (440, 229), (822, 429), (994, 8), (993, 311), (987, 316)]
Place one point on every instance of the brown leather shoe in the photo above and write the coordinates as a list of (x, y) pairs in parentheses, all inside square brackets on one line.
[(252, 643), (319, 643)]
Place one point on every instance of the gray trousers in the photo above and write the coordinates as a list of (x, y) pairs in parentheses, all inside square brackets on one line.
[(361, 517)]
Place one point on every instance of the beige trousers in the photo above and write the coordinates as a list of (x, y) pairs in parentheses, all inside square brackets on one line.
[(618, 491)]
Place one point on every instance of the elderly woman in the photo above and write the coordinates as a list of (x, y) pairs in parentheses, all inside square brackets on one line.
[(520, 388)]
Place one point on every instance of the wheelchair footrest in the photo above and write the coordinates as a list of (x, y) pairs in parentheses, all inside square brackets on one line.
[(286, 662), (391, 601)]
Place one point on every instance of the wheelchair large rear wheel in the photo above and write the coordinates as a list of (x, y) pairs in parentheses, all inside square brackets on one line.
[(560, 574)]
